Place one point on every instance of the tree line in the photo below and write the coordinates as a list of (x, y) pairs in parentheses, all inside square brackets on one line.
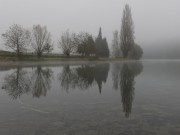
[(39, 40)]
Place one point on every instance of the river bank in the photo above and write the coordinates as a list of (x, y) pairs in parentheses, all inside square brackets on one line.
[(13, 61)]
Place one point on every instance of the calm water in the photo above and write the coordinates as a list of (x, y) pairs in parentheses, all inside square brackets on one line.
[(125, 98)]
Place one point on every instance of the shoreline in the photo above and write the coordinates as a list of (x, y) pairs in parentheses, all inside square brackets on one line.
[(58, 61)]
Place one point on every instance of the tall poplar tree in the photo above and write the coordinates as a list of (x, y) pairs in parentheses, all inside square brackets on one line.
[(127, 31)]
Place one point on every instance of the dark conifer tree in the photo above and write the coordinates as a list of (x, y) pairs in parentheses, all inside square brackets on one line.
[(102, 49), (105, 48)]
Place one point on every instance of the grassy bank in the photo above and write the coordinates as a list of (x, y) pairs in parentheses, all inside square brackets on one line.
[(53, 57)]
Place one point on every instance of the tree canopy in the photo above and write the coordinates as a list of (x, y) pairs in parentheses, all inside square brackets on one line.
[(86, 44), (17, 38), (40, 38)]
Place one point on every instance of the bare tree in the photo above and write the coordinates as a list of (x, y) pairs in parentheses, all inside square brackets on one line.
[(40, 38), (66, 43), (127, 32), (116, 52), (48, 48), (17, 38)]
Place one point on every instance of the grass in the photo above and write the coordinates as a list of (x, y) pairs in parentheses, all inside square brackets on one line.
[(52, 57)]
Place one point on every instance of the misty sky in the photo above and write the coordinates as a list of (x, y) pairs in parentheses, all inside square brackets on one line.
[(154, 19)]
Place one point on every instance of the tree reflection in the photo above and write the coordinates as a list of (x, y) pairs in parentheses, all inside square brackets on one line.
[(124, 78), (128, 73), (116, 68), (84, 76), (17, 83), (41, 81), (101, 74), (20, 82), (67, 78)]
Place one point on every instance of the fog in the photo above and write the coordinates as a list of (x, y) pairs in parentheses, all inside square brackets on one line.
[(155, 20)]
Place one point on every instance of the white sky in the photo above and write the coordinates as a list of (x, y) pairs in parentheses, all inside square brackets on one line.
[(154, 19)]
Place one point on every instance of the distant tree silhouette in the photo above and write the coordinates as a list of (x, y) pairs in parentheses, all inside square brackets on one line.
[(127, 31), (116, 51), (102, 49)]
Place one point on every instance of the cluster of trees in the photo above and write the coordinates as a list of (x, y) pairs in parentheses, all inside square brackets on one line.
[(81, 43), (39, 40), (123, 45), (84, 44), (19, 39)]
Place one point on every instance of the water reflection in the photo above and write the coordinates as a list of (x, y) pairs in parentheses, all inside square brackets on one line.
[(20, 82), (17, 83), (124, 78), (41, 81), (155, 110), (84, 76), (101, 74), (38, 81)]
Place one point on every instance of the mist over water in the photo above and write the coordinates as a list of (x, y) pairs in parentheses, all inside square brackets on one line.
[(95, 98)]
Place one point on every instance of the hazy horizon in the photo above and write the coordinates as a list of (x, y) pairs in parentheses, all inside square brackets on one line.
[(154, 20)]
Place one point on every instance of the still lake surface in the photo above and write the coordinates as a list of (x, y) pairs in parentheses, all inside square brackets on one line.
[(96, 98)]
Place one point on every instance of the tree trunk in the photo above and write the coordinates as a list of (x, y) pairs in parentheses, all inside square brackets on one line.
[(39, 55), (67, 54)]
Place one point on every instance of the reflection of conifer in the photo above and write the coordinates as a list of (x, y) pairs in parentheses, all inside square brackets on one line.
[(101, 74)]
